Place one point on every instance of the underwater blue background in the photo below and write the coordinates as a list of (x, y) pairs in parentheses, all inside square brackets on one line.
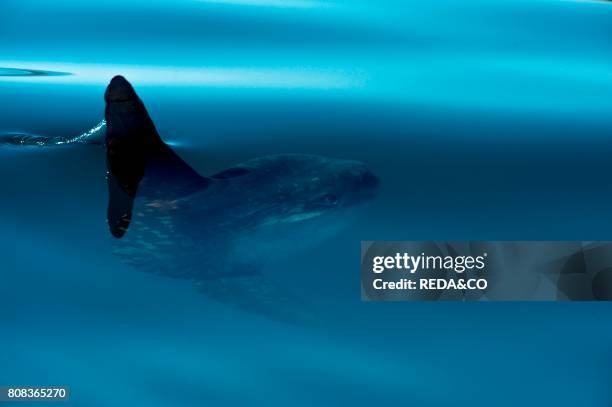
[(484, 120)]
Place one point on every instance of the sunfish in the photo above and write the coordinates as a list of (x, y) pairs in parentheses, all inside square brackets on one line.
[(219, 230)]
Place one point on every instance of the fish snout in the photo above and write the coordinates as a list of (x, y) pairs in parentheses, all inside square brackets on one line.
[(119, 90)]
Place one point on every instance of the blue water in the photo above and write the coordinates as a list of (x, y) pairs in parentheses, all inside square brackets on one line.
[(484, 120)]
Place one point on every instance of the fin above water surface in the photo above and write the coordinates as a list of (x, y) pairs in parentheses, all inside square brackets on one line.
[(137, 159)]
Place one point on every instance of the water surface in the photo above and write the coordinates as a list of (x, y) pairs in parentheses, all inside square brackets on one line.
[(484, 120)]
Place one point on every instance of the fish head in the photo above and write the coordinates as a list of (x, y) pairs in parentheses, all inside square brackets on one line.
[(286, 203), (301, 187), (338, 184)]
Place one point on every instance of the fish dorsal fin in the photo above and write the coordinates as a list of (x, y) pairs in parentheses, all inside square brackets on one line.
[(137, 159)]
